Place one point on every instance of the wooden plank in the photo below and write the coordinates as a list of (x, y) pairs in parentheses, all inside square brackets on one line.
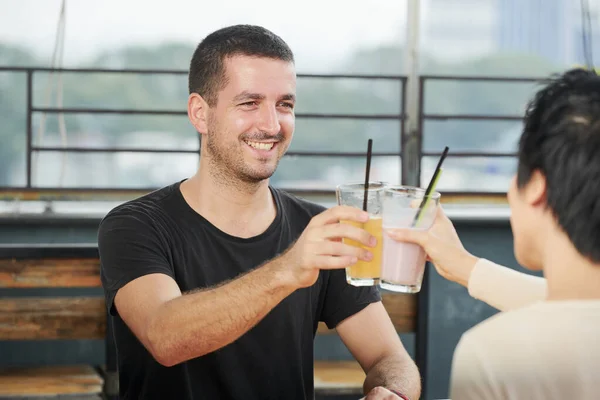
[(474, 198), (55, 397), (52, 318), (40, 194), (402, 309), (50, 381), (84, 272), (91, 396), (338, 378)]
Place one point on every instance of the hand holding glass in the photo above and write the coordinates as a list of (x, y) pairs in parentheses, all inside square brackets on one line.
[(404, 263)]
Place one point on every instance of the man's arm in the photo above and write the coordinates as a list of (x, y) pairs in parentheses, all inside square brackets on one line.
[(176, 328), (372, 339)]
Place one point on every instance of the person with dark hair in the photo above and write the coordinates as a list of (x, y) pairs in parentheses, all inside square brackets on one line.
[(216, 284), (544, 343)]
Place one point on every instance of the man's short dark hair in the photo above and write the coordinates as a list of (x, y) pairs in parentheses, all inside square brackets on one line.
[(207, 68), (561, 139)]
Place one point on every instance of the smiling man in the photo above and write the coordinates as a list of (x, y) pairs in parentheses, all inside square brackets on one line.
[(216, 284)]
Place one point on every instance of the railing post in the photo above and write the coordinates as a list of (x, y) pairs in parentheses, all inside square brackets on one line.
[(411, 169), (29, 125), (410, 144), (420, 128), (403, 171)]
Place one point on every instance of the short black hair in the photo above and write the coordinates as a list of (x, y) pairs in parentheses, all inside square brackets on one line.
[(561, 139), (207, 68)]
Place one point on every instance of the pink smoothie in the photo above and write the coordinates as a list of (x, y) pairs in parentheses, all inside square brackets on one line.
[(403, 263)]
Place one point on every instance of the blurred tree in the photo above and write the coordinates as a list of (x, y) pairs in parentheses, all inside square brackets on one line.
[(345, 96)]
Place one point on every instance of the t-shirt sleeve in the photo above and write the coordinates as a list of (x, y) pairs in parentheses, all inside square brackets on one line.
[(342, 300), (129, 247)]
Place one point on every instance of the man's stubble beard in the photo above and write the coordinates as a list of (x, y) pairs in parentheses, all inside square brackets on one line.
[(227, 164)]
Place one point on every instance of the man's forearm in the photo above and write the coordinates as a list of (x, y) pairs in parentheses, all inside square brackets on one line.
[(201, 322), (397, 373)]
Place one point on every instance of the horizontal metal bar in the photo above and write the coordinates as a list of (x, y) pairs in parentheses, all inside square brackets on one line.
[(71, 149), (351, 116), (184, 72), (469, 154), (340, 154), (95, 70), (67, 110), (288, 154), (300, 75), (481, 78), (352, 76), (472, 117)]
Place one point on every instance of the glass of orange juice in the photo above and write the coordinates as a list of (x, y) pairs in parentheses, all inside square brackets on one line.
[(364, 273)]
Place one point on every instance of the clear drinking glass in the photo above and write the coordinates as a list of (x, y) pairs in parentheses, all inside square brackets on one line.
[(403, 264), (364, 273)]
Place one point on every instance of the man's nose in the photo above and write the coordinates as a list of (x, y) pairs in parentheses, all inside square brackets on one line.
[(269, 120)]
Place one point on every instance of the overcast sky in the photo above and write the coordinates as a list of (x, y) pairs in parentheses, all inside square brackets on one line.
[(321, 32)]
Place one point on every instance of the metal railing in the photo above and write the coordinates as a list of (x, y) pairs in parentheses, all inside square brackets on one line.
[(426, 116), (29, 190), (93, 191)]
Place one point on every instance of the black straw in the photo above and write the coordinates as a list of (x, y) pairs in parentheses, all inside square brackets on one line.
[(429, 189), (368, 172)]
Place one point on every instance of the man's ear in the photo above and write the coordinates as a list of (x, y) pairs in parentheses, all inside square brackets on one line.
[(198, 112), (534, 192)]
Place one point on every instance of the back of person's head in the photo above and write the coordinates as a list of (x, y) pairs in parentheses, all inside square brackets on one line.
[(561, 141), (207, 73)]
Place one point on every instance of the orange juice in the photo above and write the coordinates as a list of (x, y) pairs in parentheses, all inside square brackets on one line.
[(366, 273)]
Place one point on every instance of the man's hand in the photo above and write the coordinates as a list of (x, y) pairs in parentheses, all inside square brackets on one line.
[(381, 393), (320, 245)]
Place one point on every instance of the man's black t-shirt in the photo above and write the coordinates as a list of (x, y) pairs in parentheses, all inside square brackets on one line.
[(161, 233)]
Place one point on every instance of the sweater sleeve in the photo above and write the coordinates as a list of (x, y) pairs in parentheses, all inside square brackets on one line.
[(504, 288)]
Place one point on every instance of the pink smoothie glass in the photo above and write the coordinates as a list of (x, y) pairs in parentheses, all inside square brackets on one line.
[(403, 264)]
